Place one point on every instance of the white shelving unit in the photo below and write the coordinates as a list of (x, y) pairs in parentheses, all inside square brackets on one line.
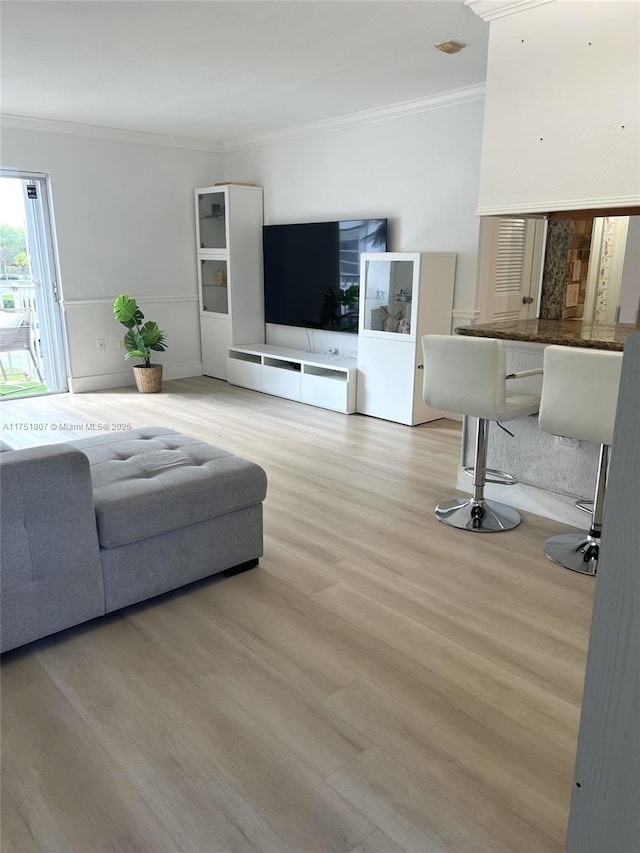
[(229, 255), (327, 381), (403, 296)]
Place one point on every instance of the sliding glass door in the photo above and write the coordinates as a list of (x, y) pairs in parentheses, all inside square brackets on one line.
[(32, 350)]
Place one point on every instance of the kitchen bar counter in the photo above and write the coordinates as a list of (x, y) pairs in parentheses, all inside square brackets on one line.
[(571, 333), (552, 473)]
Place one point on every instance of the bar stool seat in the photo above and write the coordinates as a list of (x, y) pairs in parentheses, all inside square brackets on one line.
[(467, 376), (579, 400)]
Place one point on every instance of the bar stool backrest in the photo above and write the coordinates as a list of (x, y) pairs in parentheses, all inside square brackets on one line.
[(580, 393), (464, 375)]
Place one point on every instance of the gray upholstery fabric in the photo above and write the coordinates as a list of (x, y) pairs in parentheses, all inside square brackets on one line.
[(168, 508), (152, 481), (50, 566), (144, 569)]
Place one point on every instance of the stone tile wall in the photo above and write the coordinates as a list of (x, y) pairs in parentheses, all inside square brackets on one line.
[(566, 266)]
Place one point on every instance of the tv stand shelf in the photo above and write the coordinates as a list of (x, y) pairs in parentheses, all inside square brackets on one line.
[(328, 381)]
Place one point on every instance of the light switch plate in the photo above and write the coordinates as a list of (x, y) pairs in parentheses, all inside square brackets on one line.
[(571, 295)]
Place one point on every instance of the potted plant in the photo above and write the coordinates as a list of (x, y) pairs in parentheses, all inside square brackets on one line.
[(139, 341)]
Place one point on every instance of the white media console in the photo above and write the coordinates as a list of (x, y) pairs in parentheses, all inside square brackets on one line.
[(328, 381)]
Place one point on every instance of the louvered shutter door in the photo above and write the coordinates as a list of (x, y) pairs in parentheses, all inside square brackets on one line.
[(512, 237), (506, 267)]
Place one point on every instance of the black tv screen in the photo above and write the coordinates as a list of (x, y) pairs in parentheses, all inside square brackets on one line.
[(312, 271)]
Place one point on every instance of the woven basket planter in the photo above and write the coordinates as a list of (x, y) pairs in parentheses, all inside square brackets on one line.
[(148, 379)]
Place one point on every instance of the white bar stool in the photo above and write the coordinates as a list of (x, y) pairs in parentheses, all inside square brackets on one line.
[(579, 399), (467, 376)]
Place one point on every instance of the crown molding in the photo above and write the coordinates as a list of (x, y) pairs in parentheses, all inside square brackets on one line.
[(392, 111), (41, 125), (489, 10), (454, 97), (570, 205)]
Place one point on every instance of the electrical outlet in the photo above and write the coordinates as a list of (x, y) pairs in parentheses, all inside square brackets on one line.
[(100, 344)]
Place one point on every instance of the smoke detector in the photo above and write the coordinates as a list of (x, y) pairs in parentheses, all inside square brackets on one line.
[(449, 46)]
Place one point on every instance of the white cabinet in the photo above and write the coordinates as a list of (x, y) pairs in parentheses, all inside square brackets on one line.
[(320, 380), (403, 296), (281, 377), (229, 258), (329, 387), (245, 369), (215, 337)]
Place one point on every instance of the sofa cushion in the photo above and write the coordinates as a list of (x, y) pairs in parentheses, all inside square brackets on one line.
[(153, 480)]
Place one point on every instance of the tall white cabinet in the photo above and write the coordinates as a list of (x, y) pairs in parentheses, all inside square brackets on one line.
[(229, 255), (403, 296)]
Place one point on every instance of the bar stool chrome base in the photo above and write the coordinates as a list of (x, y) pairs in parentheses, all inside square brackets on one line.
[(478, 516), (577, 552)]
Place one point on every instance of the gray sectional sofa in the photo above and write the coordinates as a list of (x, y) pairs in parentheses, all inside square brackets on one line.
[(90, 526)]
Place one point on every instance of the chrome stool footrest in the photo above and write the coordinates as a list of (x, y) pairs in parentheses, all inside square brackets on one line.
[(585, 506), (493, 476)]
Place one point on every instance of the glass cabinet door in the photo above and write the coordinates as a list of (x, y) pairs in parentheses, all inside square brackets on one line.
[(214, 293), (212, 231), (388, 305)]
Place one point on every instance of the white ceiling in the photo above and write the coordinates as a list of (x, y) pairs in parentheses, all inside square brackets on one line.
[(219, 71)]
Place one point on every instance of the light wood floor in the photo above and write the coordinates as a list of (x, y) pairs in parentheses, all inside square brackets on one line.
[(379, 684)]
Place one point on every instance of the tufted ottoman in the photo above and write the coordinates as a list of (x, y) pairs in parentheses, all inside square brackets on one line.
[(170, 509)]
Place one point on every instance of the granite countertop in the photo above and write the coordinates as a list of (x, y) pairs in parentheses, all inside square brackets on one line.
[(570, 333)]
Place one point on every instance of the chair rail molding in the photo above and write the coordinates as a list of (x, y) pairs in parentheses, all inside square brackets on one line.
[(464, 317), (108, 300)]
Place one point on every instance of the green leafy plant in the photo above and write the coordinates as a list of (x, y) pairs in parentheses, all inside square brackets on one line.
[(349, 296), (140, 338)]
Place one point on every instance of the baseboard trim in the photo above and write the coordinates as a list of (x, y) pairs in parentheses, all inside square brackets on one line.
[(121, 379)]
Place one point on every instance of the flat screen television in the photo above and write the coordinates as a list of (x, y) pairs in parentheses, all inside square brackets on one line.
[(312, 271)]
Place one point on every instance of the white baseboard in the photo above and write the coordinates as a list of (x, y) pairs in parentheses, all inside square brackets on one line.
[(182, 370), (103, 381), (531, 499)]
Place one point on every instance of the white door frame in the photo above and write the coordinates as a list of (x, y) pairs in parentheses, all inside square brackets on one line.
[(608, 312), (43, 256)]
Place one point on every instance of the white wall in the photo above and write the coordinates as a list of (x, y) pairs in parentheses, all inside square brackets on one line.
[(125, 223), (561, 124), (421, 171)]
